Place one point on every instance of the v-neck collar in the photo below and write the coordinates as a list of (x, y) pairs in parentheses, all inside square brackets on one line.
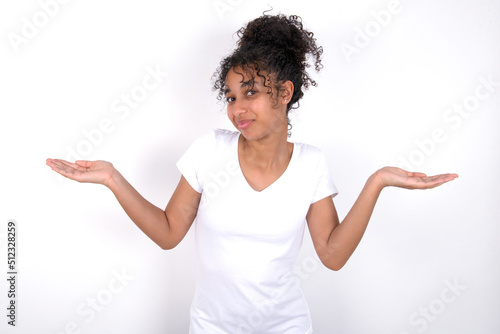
[(277, 181)]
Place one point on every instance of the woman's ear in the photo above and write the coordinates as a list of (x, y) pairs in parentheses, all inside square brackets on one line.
[(286, 92)]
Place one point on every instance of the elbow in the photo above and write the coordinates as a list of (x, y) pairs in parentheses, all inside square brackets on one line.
[(335, 266), (167, 244), (165, 239), (333, 262), (331, 258)]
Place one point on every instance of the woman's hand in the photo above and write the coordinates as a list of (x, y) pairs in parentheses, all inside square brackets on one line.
[(397, 177), (99, 171)]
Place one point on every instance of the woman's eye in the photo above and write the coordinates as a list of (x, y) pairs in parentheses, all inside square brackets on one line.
[(248, 93)]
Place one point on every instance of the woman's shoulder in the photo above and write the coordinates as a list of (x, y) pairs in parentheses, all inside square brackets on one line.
[(217, 135), (305, 150), (309, 157), (224, 134), (220, 138), (214, 140)]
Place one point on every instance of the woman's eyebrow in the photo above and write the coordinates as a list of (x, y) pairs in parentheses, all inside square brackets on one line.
[(244, 84), (248, 83)]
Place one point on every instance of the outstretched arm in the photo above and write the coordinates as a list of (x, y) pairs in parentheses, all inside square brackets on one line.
[(335, 242), (165, 227)]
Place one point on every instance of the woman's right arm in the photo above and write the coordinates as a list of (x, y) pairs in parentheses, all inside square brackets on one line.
[(165, 227)]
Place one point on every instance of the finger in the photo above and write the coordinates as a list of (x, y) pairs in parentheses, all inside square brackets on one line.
[(64, 171), (50, 161), (56, 163), (72, 166), (444, 177), (416, 174), (84, 163), (64, 168), (69, 164), (435, 181)]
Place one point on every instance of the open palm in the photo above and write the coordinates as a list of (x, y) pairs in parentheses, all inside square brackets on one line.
[(397, 177), (82, 170)]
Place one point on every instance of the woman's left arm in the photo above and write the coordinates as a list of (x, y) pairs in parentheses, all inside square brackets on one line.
[(335, 242)]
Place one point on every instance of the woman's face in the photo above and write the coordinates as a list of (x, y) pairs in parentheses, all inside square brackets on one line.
[(251, 109)]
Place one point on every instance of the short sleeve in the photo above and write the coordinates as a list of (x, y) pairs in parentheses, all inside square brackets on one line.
[(324, 186), (190, 162)]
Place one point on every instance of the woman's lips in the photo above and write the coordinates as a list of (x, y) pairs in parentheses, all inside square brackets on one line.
[(243, 124)]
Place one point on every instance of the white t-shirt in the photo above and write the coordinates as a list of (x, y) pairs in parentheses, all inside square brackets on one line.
[(247, 241)]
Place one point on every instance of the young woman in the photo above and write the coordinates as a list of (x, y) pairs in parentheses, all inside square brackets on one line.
[(252, 191)]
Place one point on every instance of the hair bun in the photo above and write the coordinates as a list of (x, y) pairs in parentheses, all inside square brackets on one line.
[(281, 32)]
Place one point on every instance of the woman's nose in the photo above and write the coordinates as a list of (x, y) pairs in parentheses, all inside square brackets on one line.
[(239, 107)]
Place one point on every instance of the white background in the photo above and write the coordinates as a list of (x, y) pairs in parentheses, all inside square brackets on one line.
[(373, 108)]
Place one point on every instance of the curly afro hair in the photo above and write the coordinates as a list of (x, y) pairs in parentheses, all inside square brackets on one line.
[(278, 46)]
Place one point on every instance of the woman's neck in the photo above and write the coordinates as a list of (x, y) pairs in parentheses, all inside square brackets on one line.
[(266, 153)]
